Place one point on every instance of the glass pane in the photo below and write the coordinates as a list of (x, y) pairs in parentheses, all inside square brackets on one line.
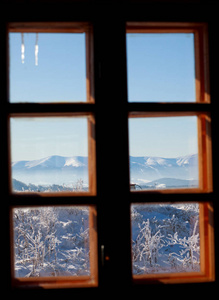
[(60, 73), (165, 238), (161, 67), (163, 152), (49, 154), (51, 241)]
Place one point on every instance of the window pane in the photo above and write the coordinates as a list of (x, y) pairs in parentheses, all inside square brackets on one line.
[(60, 75), (49, 154), (165, 238), (163, 152), (51, 241), (161, 67)]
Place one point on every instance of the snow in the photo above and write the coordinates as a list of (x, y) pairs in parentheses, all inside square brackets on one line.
[(152, 161), (153, 168), (187, 160), (51, 241), (165, 238), (160, 186), (74, 162), (54, 241), (145, 171), (54, 161)]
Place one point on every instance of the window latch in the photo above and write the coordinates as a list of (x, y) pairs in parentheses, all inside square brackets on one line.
[(102, 255)]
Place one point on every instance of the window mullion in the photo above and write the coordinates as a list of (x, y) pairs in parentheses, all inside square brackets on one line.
[(112, 154)]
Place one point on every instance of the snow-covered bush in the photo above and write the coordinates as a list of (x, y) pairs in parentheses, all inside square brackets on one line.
[(189, 254), (147, 245)]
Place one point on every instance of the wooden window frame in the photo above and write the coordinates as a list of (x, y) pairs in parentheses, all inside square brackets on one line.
[(59, 199), (96, 108), (202, 109)]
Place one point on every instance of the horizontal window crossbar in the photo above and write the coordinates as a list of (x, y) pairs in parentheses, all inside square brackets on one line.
[(173, 198), (169, 107), (60, 200), (25, 108)]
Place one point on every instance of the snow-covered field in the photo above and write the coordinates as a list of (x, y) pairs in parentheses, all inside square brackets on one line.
[(54, 241), (51, 241), (165, 238)]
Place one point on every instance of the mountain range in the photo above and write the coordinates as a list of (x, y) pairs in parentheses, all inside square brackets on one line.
[(51, 170), (52, 162), (145, 170), (148, 169)]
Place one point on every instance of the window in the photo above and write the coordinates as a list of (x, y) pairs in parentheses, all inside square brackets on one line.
[(114, 183), (54, 244), (170, 152), (155, 70), (167, 152), (52, 154)]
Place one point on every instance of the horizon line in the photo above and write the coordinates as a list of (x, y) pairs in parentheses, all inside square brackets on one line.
[(85, 156)]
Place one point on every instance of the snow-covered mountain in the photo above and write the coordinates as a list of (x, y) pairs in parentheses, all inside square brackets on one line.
[(51, 162), (51, 170), (139, 162), (143, 170), (147, 169)]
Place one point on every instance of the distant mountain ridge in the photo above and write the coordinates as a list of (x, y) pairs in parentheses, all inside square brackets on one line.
[(143, 170), (51, 170), (146, 168), (52, 162)]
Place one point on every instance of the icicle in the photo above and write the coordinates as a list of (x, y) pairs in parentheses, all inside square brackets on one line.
[(36, 50), (22, 48)]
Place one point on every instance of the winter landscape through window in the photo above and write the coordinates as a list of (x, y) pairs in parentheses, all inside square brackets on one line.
[(49, 154), (54, 152), (51, 241), (163, 153), (165, 238)]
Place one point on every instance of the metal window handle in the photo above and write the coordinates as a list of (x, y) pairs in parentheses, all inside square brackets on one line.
[(102, 255)]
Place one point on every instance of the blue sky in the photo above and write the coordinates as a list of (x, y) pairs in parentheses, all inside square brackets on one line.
[(160, 68), (35, 138), (61, 71), (163, 136), (60, 76)]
